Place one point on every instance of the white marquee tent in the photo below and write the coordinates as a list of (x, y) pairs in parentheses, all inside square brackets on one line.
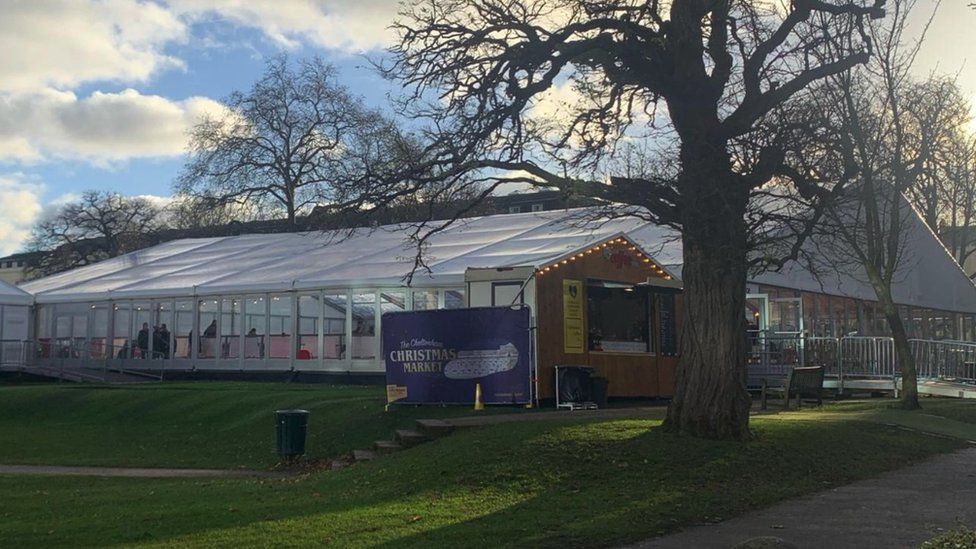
[(332, 288)]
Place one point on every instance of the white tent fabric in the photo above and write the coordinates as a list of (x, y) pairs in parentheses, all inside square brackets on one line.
[(383, 257), (928, 275), (11, 295)]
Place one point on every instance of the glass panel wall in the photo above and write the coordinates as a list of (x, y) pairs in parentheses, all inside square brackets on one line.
[(142, 333), (43, 330), (121, 324), (364, 325), (62, 332), (334, 326), (208, 328), (98, 344), (255, 326), (183, 328), (162, 339), (454, 299), (309, 309), (280, 344), (424, 300), (230, 328)]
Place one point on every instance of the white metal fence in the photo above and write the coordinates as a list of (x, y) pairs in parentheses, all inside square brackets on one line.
[(860, 357)]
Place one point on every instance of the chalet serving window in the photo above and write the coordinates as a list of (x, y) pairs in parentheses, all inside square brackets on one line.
[(617, 317)]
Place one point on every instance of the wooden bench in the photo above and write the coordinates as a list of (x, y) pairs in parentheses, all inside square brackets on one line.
[(803, 382)]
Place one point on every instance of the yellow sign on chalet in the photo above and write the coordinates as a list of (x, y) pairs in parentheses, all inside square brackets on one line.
[(573, 337)]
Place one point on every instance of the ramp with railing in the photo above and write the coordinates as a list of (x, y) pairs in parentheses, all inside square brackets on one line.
[(944, 367), (67, 362)]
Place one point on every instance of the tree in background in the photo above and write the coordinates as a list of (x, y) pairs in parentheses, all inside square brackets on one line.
[(712, 81), (100, 225), (957, 221), (298, 138), (893, 132)]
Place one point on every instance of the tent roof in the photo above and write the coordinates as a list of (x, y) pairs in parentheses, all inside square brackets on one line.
[(928, 275), (11, 295), (366, 258), (383, 257)]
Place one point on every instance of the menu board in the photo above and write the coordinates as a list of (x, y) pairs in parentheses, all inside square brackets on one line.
[(573, 316), (668, 332)]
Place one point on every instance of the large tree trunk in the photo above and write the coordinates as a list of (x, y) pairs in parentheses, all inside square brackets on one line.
[(710, 399)]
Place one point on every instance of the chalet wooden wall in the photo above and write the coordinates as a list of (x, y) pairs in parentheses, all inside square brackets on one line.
[(630, 374)]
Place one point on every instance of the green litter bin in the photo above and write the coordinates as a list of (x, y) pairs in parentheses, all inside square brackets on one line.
[(292, 425)]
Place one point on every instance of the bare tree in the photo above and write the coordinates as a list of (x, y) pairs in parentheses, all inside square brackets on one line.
[(296, 139), (892, 131), (99, 225), (957, 223), (938, 112), (708, 79)]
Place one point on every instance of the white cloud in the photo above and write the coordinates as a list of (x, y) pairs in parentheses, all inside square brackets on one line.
[(62, 43), (340, 24), (101, 128), (20, 205)]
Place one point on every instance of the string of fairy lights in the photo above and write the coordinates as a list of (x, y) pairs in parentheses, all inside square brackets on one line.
[(628, 247)]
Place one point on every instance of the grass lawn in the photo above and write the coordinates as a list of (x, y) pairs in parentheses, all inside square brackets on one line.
[(548, 483), (576, 481), (198, 424)]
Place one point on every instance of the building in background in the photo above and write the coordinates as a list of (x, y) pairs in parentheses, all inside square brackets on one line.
[(14, 269)]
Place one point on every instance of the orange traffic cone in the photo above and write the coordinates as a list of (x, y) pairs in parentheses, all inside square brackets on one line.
[(478, 405)]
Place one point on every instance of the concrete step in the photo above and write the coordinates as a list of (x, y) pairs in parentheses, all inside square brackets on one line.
[(409, 437), (434, 427), (363, 455), (386, 446)]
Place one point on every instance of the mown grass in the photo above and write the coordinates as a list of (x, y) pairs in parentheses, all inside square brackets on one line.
[(199, 424), (570, 483)]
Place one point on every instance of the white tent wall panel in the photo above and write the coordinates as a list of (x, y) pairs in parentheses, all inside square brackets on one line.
[(280, 343), (14, 322)]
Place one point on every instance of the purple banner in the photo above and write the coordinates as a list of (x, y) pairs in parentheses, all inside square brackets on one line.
[(439, 356)]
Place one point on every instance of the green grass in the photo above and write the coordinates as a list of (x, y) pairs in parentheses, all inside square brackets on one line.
[(549, 484), (553, 483), (962, 538), (200, 424)]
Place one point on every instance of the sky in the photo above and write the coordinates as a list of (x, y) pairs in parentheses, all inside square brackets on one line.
[(99, 94)]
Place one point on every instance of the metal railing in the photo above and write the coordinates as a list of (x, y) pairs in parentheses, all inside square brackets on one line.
[(92, 361), (861, 357), (945, 359), (867, 357), (13, 353)]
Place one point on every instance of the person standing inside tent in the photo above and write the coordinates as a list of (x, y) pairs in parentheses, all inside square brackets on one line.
[(142, 340)]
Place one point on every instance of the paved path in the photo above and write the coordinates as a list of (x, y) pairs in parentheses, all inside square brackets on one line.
[(899, 509), (133, 472), (645, 412)]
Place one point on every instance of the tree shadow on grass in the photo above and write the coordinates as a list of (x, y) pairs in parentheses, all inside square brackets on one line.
[(534, 483)]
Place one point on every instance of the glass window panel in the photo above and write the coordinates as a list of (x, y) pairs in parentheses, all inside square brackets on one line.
[(364, 325), (183, 328), (424, 300), (309, 308), (617, 319), (454, 299), (255, 317), (98, 345), (280, 337), (207, 309), (120, 330), (142, 312), (230, 328), (162, 339), (334, 327)]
